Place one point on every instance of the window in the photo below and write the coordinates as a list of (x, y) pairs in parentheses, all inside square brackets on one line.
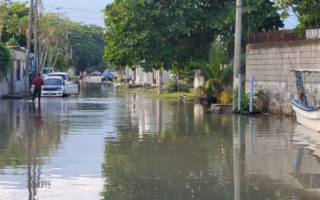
[(18, 70)]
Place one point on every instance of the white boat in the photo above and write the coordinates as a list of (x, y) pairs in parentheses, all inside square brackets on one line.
[(307, 114)]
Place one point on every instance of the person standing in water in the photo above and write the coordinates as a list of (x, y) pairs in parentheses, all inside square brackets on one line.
[(38, 83)]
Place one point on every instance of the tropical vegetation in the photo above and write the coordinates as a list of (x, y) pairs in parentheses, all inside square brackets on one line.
[(216, 74), (168, 34), (306, 11), (5, 60), (60, 43)]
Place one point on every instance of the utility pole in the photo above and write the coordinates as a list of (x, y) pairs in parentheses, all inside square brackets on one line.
[(28, 50), (237, 55), (36, 50)]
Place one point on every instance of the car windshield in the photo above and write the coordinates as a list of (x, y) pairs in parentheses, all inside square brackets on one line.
[(107, 74), (52, 81), (63, 76), (45, 71)]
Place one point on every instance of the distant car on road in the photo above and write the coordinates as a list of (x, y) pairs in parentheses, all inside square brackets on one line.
[(63, 75), (46, 71), (106, 76), (96, 73)]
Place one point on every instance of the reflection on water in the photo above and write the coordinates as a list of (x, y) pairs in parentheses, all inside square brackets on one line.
[(105, 144)]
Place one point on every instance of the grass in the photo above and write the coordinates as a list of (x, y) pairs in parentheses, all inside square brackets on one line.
[(175, 95), (153, 93)]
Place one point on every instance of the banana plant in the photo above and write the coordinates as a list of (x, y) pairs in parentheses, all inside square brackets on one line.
[(215, 77)]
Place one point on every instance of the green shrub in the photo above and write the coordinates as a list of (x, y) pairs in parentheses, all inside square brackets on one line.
[(245, 99), (12, 42), (172, 86), (5, 61)]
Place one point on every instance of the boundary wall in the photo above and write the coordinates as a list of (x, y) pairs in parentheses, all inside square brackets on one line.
[(269, 63)]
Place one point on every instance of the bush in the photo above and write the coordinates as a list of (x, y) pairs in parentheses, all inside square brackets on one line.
[(172, 86), (12, 42), (5, 61), (258, 100), (245, 99)]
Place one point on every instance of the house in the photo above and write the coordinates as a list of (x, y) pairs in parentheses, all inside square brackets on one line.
[(152, 78), (14, 81)]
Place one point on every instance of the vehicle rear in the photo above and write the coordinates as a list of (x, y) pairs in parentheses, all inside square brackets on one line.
[(106, 76), (64, 77), (46, 71)]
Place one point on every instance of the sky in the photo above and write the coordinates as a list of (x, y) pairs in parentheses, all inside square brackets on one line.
[(89, 11)]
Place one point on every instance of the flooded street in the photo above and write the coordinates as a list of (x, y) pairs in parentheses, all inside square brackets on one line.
[(106, 144)]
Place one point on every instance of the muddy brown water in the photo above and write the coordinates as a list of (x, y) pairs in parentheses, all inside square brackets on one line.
[(106, 144)]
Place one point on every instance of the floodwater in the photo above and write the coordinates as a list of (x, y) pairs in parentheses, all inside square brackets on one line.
[(105, 144)]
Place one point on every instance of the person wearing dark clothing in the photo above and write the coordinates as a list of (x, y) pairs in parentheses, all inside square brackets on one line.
[(38, 83)]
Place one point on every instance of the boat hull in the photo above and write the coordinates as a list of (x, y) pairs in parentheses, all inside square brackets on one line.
[(306, 116)]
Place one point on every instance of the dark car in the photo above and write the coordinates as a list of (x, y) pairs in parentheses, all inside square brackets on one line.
[(106, 76)]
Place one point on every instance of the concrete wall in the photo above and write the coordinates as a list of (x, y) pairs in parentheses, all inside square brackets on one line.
[(18, 84), (270, 65), (142, 77)]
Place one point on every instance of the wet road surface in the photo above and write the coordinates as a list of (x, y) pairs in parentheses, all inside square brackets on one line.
[(105, 144)]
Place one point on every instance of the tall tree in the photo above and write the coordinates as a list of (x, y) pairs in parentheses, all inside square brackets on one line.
[(166, 32), (307, 11)]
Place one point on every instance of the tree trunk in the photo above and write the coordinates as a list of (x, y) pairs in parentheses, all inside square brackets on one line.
[(160, 81), (36, 53), (56, 58)]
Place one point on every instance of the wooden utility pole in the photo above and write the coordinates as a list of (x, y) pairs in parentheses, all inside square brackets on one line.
[(36, 49), (27, 88)]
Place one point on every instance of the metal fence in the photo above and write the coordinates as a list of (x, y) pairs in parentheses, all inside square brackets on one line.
[(276, 36)]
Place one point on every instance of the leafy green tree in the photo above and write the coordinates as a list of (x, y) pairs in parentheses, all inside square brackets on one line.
[(5, 61), (216, 81), (13, 18), (163, 33), (307, 11)]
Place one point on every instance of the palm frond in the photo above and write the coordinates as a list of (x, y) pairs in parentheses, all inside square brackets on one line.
[(200, 64), (200, 90), (224, 97), (216, 57), (224, 72)]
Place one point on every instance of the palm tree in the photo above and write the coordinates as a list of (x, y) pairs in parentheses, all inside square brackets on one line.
[(215, 77)]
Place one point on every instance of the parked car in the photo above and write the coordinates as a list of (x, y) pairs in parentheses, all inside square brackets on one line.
[(106, 76), (46, 71), (54, 87), (63, 75), (96, 73)]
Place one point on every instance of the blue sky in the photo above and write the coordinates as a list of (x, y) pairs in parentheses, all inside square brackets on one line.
[(89, 11)]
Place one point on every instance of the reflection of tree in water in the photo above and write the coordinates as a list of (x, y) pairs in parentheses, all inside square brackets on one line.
[(178, 163), (28, 136)]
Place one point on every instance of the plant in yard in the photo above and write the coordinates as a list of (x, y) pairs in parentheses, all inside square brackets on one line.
[(5, 61), (245, 99), (259, 103), (215, 77), (172, 86)]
